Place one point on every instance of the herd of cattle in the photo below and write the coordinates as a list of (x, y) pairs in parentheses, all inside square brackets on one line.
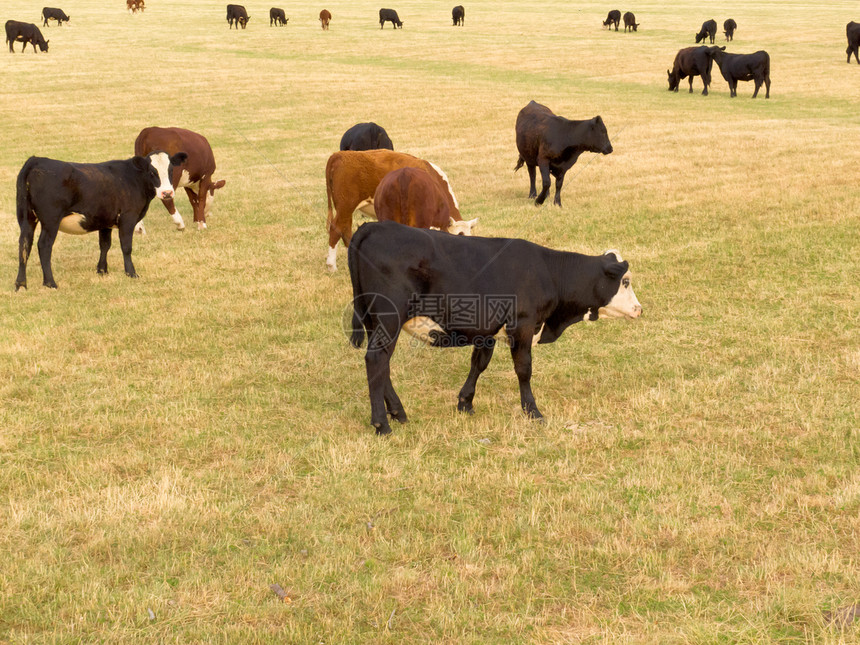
[(419, 269)]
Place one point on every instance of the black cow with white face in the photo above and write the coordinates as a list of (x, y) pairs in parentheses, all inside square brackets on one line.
[(79, 198), (52, 13), (389, 15), (421, 281), (366, 136), (26, 32), (553, 144)]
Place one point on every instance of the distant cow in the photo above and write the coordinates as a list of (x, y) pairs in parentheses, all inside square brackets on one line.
[(351, 179), (630, 22), (709, 29), (613, 18), (465, 291), (852, 31), (80, 198), (236, 14), (458, 14), (194, 174), (26, 32), (325, 18), (553, 144), (365, 136), (134, 6), (690, 62), (391, 16), (729, 27), (413, 197), (277, 17), (51, 13), (744, 67)]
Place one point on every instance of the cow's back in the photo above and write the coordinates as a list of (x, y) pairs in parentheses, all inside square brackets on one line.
[(174, 140), (410, 196), (531, 126)]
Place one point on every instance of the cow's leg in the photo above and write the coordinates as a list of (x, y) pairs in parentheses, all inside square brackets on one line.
[(767, 87), (126, 233), (857, 58), (706, 80), (757, 87), (532, 187), (691, 84), (545, 178), (340, 228), (393, 404), (104, 247), (197, 207), (25, 245), (170, 205), (45, 246), (559, 181), (481, 355), (521, 352)]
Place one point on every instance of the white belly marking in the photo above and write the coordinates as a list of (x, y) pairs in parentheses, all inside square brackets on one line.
[(72, 224)]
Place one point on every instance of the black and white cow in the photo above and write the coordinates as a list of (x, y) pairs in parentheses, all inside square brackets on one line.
[(389, 15), (366, 136), (25, 32), (237, 14), (52, 13), (744, 67), (553, 144), (456, 291), (80, 198)]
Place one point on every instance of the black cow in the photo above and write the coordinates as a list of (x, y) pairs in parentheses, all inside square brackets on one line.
[(852, 31), (51, 13), (277, 17), (744, 67), (553, 144), (709, 29), (390, 15), (690, 62), (455, 291), (80, 198), (26, 32), (613, 17), (630, 22), (236, 13), (729, 27), (366, 136), (458, 14)]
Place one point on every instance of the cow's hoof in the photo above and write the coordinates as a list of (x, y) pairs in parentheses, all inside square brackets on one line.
[(382, 430), (465, 406), (132, 275), (331, 267), (201, 226), (18, 285), (400, 415), (50, 285), (102, 271)]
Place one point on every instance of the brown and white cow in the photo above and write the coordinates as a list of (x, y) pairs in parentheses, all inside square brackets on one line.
[(351, 179), (195, 175), (411, 196), (325, 18), (134, 6)]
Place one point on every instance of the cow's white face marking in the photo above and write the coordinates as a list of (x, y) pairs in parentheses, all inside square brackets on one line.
[(331, 258), (447, 183), (73, 224), (623, 304), (366, 207), (462, 227), (161, 163)]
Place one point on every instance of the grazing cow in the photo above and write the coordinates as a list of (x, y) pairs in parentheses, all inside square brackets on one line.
[(277, 17), (365, 136), (553, 144), (351, 179), (458, 14), (690, 62), (80, 198), (390, 15), (51, 13), (709, 29), (236, 14), (744, 67), (194, 175), (325, 18), (471, 288), (614, 17), (852, 31), (134, 6), (411, 196), (729, 27), (630, 22), (26, 32)]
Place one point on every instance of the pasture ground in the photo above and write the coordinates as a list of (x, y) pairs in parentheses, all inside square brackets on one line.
[(176, 444)]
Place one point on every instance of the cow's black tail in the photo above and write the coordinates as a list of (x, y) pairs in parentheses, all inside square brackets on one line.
[(23, 194), (520, 163), (359, 306)]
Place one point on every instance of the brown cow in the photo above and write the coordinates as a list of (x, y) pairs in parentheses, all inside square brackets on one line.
[(195, 175), (325, 18), (351, 179), (135, 5), (410, 196)]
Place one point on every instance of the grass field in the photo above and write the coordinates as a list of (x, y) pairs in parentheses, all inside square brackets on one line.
[(172, 446)]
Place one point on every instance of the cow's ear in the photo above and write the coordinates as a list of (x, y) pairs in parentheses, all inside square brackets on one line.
[(615, 270), (597, 120), (723, 48), (218, 184), (141, 163), (178, 159)]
